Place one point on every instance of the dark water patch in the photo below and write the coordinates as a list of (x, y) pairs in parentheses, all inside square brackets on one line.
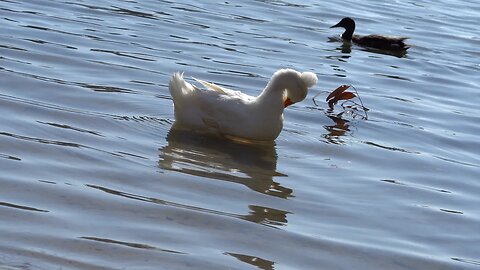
[(391, 148), (451, 211), (106, 88), (393, 77), (135, 13), (137, 56), (468, 261), (132, 155), (129, 244), (142, 82), (146, 119), (19, 11), (42, 28), (22, 207), (40, 140), (13, 61), (396, 182), (10, 157), (250, 19), (120, 11), (64, 126), (398, 98), (47, 182), (13, 48), (39, 41)]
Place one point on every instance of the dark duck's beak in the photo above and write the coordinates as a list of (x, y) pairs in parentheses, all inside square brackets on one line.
[(336, 25)]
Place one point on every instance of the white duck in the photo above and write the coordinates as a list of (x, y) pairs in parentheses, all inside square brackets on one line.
[(235, 114)]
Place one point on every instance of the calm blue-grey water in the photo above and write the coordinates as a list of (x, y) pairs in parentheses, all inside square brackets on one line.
[(91, 177)]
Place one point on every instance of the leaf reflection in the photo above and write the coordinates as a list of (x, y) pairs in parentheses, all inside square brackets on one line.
[(336, 131), (266, 215), (253, 260)]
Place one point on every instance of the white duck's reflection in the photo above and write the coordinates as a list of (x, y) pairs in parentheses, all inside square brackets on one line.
[(250, 164)]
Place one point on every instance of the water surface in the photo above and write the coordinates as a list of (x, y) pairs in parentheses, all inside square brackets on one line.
[(93, 176)]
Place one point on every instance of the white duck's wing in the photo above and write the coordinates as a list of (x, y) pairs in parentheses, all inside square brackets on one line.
[(223, 90), (214, 109)]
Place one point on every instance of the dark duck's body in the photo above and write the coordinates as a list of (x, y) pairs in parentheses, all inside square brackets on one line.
[(373, 41)]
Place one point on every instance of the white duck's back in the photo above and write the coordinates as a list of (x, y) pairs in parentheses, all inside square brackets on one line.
[(226, 112)]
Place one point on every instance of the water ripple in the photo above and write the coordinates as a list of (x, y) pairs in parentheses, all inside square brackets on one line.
[(261, 215), (84, 101)]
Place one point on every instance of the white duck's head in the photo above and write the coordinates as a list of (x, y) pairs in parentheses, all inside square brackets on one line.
[(292, 84)]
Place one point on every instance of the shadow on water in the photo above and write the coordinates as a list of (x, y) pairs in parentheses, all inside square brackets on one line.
[(251, 164)]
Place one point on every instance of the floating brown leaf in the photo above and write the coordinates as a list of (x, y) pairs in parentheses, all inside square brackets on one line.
[(340, 96), (337, 91), (349, 98), (345, 95)]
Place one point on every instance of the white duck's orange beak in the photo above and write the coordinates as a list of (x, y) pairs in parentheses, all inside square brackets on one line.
[(287, 102)]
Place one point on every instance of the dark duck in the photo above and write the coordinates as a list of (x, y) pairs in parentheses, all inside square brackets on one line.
[(373, 41)]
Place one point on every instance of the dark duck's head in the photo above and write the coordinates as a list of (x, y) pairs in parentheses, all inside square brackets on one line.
[(349, 25), (373, 41)]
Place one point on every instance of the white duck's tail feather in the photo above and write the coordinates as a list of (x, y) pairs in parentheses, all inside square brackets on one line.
[(179, 88), (211, 86), (309, 78)]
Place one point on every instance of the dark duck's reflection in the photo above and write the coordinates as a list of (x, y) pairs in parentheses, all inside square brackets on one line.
[(374, 43), (250, 164)]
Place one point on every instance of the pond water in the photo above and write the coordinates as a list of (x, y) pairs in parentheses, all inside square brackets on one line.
[(93, 177)]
